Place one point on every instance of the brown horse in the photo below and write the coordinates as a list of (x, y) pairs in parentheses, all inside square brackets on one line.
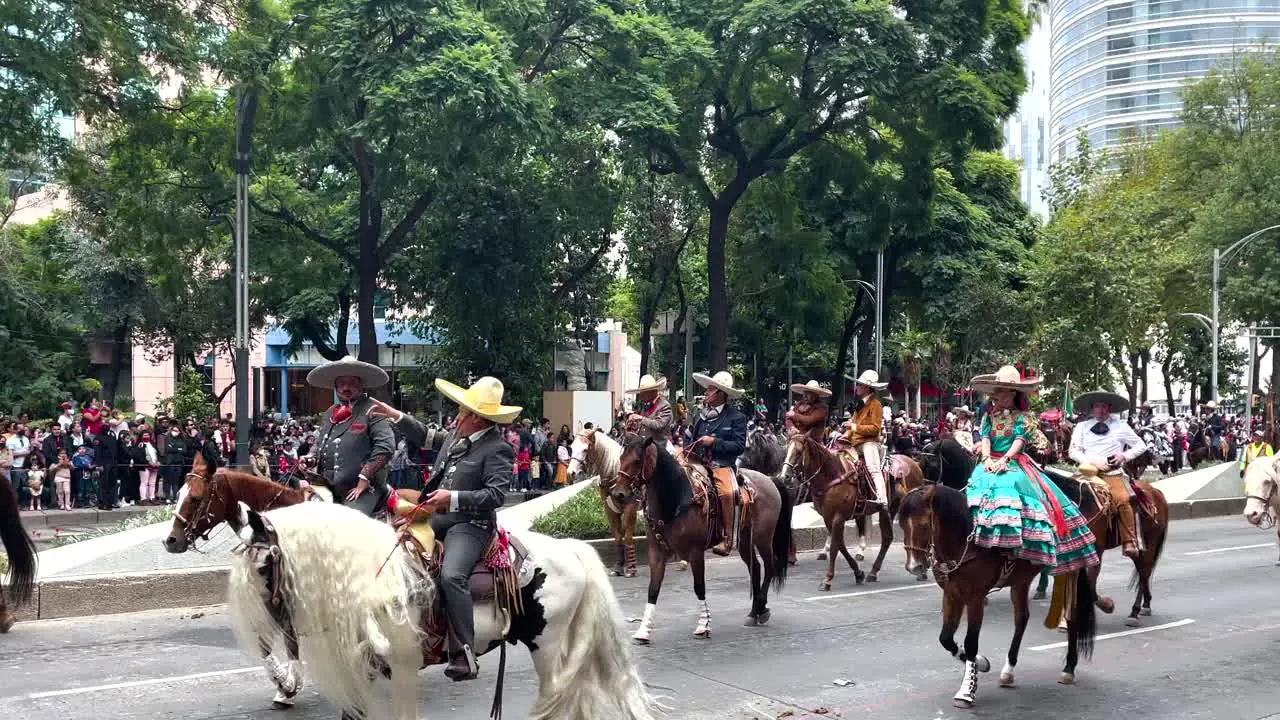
[(1094, 500), (839, 498), (677, 503), (22, 555), (211, 497), (937, 531), (595, 453)]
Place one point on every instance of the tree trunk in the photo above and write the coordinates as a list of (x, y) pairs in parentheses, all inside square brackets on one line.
[(364, 309), (1195, 389), (1135, 365), (1275, 374), (117, 360), (646, 340), (1166, 367), (717, 290), (852, 324), (1145, 360), (575, 369)]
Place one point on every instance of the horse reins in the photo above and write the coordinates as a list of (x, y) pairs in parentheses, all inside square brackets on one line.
[(204, 508), (1268, 520)]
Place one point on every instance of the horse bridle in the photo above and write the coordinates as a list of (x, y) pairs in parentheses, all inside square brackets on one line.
[(204, 507), (942, 568), (1268, 520)]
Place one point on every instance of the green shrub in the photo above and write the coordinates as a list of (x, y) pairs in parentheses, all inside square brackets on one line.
[(582, 517)]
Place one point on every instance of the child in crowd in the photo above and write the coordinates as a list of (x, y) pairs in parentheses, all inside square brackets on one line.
[(35, 480), (62, 481)]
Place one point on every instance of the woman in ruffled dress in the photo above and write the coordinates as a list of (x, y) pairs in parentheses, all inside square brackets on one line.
[(1013, 505)]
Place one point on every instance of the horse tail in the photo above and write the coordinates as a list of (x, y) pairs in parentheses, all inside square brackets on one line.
[(22, 552), (1084, 621), (782, 536), (594, 674)]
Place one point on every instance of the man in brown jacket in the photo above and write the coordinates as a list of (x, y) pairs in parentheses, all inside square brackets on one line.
[(653, 415), (862, 432), (808, 417)]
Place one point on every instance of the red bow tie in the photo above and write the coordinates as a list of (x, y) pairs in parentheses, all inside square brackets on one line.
[(340, 414)]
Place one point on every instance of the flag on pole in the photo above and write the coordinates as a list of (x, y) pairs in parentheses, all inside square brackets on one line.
[(1068, 405)]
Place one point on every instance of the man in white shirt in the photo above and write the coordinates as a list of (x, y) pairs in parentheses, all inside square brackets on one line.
[(1107, 442)]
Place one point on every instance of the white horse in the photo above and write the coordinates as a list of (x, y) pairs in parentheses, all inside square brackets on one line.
[(1262, 493), (357, 619)]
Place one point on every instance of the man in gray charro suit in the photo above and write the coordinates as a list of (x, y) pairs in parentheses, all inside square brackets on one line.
[(468, 485), (352, 447)]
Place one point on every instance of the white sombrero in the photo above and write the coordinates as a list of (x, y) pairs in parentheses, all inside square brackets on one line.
[(325, 375), (811, 387), (1117, 402), (484, 398), (962, 410), (649, 383), (1006, 377), (722, 381), (871, 379)]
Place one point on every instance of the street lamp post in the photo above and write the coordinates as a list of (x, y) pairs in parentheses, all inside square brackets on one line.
[(394, 347), (1219, 256), (879, 308)]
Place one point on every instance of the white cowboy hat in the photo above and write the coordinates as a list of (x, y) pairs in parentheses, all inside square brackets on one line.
[(649, 383), (811, 387), (325, 375), (484, 398), (871, 379), (962, 410), (1118, 403), (722, 381), (1006, 377), (1212, 405)]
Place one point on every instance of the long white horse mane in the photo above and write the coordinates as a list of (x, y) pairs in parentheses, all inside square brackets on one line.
[(604, 456), (333, 564)]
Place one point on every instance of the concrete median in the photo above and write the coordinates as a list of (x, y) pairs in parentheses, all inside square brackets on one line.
[(109, 593)]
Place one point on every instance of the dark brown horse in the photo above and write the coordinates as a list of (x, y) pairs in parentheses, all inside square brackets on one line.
[(937, 533), (821, 477), (22, 555), (677, 501), (1094, 500), (211, 497)]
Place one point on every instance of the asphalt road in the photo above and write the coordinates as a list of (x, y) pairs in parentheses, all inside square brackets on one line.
[(1210, 650)]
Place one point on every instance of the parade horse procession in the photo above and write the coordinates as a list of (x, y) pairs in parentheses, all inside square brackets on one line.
[(368, 601)]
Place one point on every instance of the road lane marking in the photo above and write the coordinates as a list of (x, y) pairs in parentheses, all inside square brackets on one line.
[(1229, 549), (921, 586), (141, 683), (1123, 633)]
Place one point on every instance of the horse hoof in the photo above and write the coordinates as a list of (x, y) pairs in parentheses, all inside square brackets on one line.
[(751, 621), (617, 572), (282, 701), (872, 576), (859, 578), (859, 556), (823, 556), (824, 586), (706, 635), (982, 664), (1145, 612), (962, 703), (1106, 605), (684, 565), (922, 577), (1131, 622), (630, 573), (1039, 595), (762, 618), (1006, 679), (1067, 678), (640, 641)]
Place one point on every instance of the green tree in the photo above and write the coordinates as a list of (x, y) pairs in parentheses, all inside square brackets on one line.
[(189, 399), (781, 78)]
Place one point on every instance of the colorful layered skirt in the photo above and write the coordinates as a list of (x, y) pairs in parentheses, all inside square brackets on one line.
[(1024, 511)]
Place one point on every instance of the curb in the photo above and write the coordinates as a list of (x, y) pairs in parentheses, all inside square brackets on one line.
[(108, 594)]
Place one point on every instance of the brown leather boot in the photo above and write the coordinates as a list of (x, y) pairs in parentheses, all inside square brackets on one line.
[(1128, 529), (726, 520)]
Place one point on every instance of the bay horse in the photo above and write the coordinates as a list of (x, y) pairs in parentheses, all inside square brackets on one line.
[(1152, 517), (938, 534), (211, 496), (1262, 501), (595, 453), (839, 499), (360, 600), (22, 555), (677, 501)]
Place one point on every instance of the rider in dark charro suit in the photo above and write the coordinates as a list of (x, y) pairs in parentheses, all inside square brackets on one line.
[(352, 447), (468, 485), (720, 436)]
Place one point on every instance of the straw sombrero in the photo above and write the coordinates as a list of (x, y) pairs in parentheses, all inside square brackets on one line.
[(325, 375), (484, 398), (871, 379), (811, 387), (721, 381), (1117, 402), (1006, 377), (647, 384)]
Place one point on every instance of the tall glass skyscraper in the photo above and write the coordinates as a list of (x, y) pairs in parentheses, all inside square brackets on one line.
[(1117, 66)]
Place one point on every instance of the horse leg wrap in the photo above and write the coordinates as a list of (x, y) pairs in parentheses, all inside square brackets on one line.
[(968, 686), (630, 558), (645, 631), (703, 630)]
